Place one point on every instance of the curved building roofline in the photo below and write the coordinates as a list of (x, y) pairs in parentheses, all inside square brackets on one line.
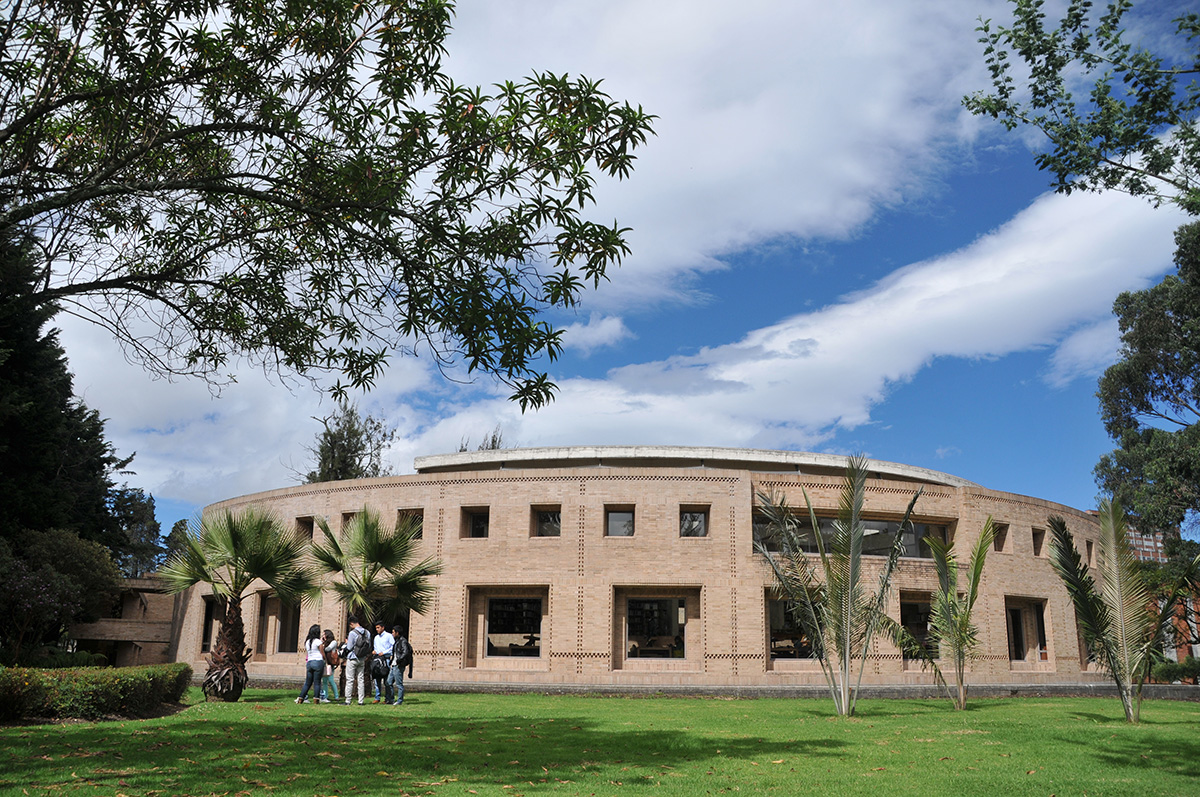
[(752, 459)]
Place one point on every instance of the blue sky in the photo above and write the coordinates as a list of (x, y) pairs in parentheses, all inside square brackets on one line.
[(829, 255)]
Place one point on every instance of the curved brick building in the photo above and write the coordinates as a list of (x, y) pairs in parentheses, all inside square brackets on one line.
[(634, 566)]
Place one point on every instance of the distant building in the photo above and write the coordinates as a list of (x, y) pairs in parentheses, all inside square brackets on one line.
[(1147, 547), (141, 633), (609, 566)]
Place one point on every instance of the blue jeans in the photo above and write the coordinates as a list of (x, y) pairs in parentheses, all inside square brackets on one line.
[(312, 677), (396, 682), (329, 686), (383, 688)]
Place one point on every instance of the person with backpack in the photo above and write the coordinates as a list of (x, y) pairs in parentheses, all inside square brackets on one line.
[(358, 647), (329, 685), (402, 656), (379, 664)]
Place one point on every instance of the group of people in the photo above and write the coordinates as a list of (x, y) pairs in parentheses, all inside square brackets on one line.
[(382, 659)]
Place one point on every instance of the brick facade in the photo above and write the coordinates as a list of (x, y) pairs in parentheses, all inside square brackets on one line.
[(694, 609)]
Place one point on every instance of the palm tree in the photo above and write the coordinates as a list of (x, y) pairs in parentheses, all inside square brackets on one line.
[(372, 568), (950, 621), (837, 612), (1121, 621), (230, 551)]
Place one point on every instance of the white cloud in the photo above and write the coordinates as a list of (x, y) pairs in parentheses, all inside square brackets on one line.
[(598, 332), (1085, 353), (776, 119)]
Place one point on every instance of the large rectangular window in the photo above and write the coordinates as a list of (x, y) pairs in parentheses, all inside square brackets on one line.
[(1028, 641), (763, 533), (788, 640), (915, 611), (656, 628), (514, 627), (288, 638), (213, 616), (878, 536), (618, 521)]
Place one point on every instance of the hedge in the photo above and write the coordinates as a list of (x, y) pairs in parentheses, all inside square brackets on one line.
[(90, 692), (1171, 671)]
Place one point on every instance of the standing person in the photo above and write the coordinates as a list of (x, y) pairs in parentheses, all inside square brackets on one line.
[(383, 652), (358, 645), (329, 682), (314, 664), (402, 656)]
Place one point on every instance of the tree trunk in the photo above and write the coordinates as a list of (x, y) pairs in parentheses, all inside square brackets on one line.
[(226, 677), (1127, 701)]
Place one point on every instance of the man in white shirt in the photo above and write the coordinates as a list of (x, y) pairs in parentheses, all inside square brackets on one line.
[(383, 651)]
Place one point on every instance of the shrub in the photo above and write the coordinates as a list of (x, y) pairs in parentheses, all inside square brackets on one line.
[(1171, 671), (90, 693), (23, 693)]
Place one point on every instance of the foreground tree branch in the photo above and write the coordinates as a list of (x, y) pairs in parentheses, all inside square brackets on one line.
[(301, 185)]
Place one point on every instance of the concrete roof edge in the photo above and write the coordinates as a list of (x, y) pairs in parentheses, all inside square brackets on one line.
[(514, 458)]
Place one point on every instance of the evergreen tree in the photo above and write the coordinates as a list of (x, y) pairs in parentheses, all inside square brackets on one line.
[(350, 446), (55, 465)]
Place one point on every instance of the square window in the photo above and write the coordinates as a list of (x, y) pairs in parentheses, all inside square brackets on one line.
[(411, 520), (347, 519), (475, 522), (693, 521), (305, 526), (546, 521), (618, 522), (1000, 538), (514, 627)]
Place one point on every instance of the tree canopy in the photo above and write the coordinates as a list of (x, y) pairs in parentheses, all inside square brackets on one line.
[(350, 446), (301, 185), (1115, 115), (1150, 398)]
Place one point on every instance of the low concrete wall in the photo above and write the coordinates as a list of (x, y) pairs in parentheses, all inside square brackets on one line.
[(898, 692)]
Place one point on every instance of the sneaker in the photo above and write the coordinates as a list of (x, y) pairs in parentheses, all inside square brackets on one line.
[(398, 703), (299, 700)]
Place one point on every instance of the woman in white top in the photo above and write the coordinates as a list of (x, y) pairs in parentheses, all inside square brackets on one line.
[(314, 665)]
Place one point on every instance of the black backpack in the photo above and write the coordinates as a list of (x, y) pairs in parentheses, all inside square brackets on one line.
[(379, 667), (362, 644)]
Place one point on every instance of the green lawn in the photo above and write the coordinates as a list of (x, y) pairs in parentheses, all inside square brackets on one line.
[(527, 744)]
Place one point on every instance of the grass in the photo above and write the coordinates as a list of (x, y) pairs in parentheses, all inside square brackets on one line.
[(447, 744)]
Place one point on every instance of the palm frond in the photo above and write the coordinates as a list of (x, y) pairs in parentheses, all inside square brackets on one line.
[(1091, 612), (371, 570)]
